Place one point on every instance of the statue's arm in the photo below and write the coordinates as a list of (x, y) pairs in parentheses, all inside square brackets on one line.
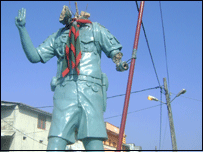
[(112, 48), (26, 42)]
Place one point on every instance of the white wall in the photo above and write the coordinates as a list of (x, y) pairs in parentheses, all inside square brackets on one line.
[(26, 121)]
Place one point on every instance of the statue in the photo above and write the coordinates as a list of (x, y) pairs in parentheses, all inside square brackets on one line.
[(79, 86)]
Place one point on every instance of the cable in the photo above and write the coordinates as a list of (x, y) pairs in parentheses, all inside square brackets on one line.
[(128, 61), (148, 46), (36, 132), (164, 45), (188, 97), (133, 92), (133, 111), (22, 132), (113, 96)]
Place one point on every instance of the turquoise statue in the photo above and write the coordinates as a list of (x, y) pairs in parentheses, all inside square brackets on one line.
[(79, 86)]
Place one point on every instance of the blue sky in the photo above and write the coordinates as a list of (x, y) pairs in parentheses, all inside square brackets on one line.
[(29, 83)]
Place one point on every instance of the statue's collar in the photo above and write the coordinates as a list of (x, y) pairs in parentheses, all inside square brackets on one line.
[(66, 29)]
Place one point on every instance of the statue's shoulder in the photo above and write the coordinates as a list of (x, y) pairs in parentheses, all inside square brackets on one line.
[(98, 25), (63, 30)]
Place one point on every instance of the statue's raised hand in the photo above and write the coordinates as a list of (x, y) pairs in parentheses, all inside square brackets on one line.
[(20, 20)]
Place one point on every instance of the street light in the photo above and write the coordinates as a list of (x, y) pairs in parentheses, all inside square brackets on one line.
[(181, 92), (168, 103), (154, 98)]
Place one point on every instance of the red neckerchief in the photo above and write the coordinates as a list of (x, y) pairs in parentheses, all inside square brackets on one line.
[(72, 48)]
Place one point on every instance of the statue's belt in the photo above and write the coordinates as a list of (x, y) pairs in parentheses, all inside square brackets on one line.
[(63, 81)]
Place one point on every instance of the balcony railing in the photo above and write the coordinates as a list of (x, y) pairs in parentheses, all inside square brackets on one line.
[(7, 124)]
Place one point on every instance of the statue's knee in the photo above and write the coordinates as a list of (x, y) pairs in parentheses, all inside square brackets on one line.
[(56, 143), (93, 144)]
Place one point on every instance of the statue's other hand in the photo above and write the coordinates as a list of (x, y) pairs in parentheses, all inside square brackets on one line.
[(122, 66), (20, 19)]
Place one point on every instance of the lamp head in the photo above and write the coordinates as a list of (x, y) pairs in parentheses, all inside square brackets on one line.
[(181, 92), (152, 98)]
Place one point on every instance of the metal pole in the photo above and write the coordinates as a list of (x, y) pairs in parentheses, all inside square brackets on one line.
[(130, 77), (170, 116)]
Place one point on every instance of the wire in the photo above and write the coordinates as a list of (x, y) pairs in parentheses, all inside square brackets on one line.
[(21, 132), (128, 61), (164, 45), (69, 5), (133, 111), (36, 132), (187, 97), (148, 46), (86, 8), (113, 96), (133, 92)]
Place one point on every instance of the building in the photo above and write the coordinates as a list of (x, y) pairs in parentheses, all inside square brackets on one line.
[(110, 144), (26, 128), (23, 127), (132, 147), (113, 135)]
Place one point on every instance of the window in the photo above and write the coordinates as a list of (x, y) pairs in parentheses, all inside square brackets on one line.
[(41, 122)]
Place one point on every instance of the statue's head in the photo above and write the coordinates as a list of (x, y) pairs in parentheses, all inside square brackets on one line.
[(65, 16)]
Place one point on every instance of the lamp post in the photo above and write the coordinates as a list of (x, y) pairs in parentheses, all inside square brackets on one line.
[(168, 103)]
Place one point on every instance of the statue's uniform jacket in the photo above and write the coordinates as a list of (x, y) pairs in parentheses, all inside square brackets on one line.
[(79, 100)]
